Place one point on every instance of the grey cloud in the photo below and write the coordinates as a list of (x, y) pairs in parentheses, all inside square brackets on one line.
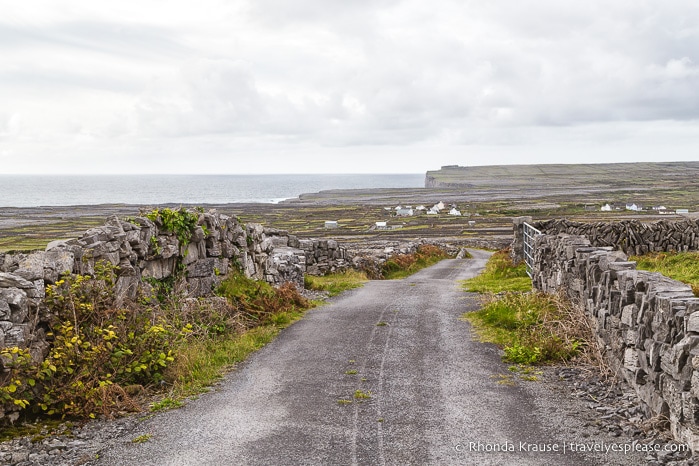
[(338, 73)]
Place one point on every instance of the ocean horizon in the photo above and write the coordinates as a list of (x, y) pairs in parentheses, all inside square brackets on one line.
[(71, 190)]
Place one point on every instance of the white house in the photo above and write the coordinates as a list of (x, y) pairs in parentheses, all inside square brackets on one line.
[(454, 211), (432, 211), (331, 224), (381, 226), (404, 212), (606, 208), (681, 211), (635, 207)]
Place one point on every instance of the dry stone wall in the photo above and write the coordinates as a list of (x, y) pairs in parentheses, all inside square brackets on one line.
[(142, 250), (647, 324), (631, 236)]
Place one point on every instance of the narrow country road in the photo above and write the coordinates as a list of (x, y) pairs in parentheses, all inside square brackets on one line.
[(432, 390)]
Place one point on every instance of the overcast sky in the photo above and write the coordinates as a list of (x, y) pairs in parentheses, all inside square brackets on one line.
[(353, 86)]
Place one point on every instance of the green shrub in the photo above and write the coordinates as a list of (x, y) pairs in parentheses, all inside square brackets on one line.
[(259, 300), (181, 222), (96, 351)]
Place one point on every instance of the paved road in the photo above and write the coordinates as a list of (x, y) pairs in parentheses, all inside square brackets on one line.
[(432, 390)]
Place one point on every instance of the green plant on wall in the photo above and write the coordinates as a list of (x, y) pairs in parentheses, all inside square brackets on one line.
[(181, 222)]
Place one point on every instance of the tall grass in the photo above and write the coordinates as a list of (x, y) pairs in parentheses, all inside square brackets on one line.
[(681, 266), (500, 274), (533, 328), (404, 265), (336, 283)]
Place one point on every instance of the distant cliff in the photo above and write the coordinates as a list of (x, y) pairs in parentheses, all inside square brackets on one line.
[(566, 176), (449, 176)]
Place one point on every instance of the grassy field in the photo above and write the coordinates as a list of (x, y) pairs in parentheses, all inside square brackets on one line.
[(682, 266)]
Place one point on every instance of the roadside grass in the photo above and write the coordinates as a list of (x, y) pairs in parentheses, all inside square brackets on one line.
[(404, 265), (681, 266), (201, 363), (336, 283), (531, 327), (500, 275)]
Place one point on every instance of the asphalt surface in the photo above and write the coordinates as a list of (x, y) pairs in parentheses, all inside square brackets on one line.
[(433, 392)]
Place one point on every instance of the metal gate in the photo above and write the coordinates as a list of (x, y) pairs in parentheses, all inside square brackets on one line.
[(529, 234)]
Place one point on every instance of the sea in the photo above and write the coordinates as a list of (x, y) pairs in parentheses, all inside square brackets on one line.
[(71, 190)]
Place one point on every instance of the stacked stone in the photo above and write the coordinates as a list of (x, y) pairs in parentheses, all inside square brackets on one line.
[(647, 324), (141, 250), (631, 236), (324, 256), (286, 261)]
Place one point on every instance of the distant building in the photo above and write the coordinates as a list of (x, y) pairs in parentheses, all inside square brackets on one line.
[(404, 212), (659, 207), (635, 207), (455, 211), (607, 208), (432, 211), (331, 224), (381, 226), (681, 211)]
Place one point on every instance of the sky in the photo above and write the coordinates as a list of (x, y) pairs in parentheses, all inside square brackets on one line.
[(339, 86)]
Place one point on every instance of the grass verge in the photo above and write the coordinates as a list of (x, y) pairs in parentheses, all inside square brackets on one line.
[(336, 283), (532, 328), (681, 266), (404, 265), (201, 363), (500, 275)]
